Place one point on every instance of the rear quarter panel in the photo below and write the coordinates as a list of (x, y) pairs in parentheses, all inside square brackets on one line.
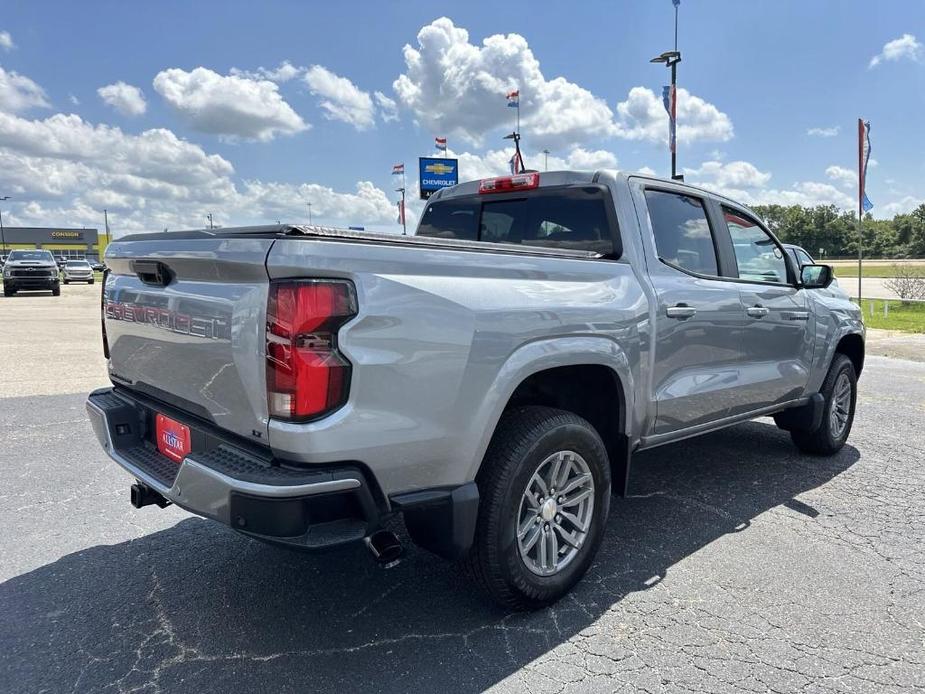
[(442, 339)]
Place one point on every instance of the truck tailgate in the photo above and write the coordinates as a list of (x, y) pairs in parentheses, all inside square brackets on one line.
[(185, 322)]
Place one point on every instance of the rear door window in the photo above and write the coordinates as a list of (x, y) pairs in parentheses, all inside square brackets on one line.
[(683, 238)]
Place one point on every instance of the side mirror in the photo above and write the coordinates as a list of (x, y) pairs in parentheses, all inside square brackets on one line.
[(816, 276)]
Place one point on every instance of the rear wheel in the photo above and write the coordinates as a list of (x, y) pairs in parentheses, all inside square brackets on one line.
[(840, 392), (9, 292), (544, 492)]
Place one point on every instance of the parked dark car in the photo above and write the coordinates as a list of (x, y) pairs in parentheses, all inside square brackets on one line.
[(30, 270)]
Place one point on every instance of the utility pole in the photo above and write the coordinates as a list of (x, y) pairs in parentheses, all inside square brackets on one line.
[(546, 160), (309, 214), (2, 233), (404, 226), (209, 217)]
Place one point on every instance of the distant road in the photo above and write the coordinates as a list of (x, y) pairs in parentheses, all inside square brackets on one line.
[(854, 262), (871, 287)]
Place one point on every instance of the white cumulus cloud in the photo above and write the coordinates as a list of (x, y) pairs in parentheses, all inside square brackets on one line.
[(6, 41), (284, 72), (127, 99), (388, 109), (19, 93), (457, 88), (340, 98), (733, 174), (906, 47), (65, 170), (823, 132), (844, 177), (744, 182), (642, 117), (230, 106)]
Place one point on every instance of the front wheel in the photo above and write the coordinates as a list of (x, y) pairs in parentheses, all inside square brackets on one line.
[(56, 291), (544, 492), (840, 392)]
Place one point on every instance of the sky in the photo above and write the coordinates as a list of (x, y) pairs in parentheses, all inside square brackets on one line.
[(162, 113)]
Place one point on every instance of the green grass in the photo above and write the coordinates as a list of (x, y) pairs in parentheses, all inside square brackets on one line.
[(908, 317), (867, 270)]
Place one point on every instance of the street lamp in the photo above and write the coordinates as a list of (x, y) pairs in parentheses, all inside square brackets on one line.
[(2, 233), (209, 217), (671, 60), (309, 214), (546, 160)]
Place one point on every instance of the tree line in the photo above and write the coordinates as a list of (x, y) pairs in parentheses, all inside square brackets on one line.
[(836, 233)]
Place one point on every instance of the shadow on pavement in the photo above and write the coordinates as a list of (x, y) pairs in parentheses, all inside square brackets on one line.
[(198, 608)]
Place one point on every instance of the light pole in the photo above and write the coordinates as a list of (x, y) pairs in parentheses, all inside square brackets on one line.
[(309, 214), (2, 233), (546, 160), (209, 217), (671, 60)]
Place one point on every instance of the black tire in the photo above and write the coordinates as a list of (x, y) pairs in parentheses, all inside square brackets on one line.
[(56, 291), (526, 437), (826, 439), (90, 282), (67, 281), (9, 292)]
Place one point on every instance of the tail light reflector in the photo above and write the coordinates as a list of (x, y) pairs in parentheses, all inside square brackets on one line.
[(306, 375), (103, 312), (506, 184)]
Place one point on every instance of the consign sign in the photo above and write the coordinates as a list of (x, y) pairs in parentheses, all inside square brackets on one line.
[(437, 173)]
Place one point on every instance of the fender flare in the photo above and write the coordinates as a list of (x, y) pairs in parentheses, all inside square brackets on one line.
[(542, 355)]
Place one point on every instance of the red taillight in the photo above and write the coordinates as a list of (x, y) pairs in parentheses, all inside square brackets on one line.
[(306, 376), (505, 184)]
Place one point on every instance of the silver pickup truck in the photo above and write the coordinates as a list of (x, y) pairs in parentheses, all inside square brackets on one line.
[(487, 379)]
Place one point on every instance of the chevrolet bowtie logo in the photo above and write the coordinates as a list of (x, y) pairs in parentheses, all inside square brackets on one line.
[(439, 168)]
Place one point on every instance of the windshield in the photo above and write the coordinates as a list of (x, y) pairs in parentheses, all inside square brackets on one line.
[(78, 263), (30, 255)]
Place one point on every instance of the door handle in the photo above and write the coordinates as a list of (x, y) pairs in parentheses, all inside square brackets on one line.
[(798, 315), (681, 311), (757, 311)]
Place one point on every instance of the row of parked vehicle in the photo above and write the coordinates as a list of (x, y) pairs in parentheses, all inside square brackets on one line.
[(40, 270)]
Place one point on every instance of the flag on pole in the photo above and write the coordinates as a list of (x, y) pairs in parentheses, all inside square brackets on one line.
[(513, 99), (516, 163), (670, 100), (401, 212), (863, 159), (398, 169), (440, 143)]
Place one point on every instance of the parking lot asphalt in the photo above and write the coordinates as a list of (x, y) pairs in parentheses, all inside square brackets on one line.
[(736, 564)]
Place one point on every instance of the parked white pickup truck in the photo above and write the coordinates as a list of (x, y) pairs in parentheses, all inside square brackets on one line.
[(488, 378)]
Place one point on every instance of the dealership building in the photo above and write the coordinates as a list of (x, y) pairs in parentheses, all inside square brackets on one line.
[(66, 243)]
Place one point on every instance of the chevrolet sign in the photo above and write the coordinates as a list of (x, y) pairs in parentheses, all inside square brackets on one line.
[(437, 173)]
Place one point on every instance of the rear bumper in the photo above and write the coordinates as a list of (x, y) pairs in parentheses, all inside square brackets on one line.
[(299, 505), (309, 508)]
